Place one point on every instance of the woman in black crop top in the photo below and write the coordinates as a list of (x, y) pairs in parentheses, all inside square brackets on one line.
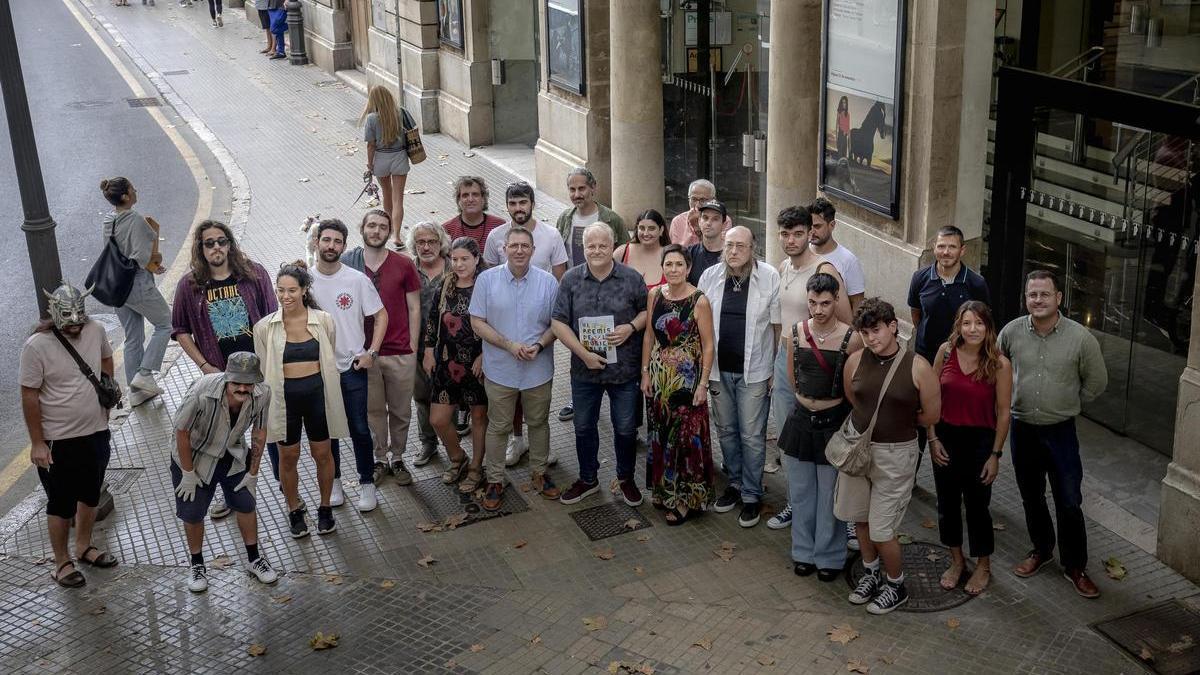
[(820, 346)]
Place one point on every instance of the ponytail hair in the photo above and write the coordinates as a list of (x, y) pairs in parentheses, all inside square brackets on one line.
[(298, 270)]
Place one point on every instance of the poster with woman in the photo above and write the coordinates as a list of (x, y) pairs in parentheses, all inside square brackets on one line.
[(450, 23), (861, 102)]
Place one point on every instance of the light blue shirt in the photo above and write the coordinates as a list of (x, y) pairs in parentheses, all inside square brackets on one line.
[(519, 310)]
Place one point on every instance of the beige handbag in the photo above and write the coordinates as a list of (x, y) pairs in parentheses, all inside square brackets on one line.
[(849, 450), (412, 139)]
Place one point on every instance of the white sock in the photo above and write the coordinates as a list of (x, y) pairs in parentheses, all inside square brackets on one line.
[(897, 581), (872, 567)]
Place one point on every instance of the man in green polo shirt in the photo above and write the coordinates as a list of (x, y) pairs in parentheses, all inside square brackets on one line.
[(1057, 366)]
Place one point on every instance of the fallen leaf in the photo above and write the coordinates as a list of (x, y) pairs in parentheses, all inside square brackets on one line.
[(765, 660), (842, 634), (98, 611), (888, 659), (427, 561), (221, 562), (526, 487), (1184, 643), (535, 640), (728, 545), (41, 561), (455, 520), (1114, 568), (726, 551), (953, 623), (303, 180), (281, 599), (928, 524), (904, 539), (387, 583), (604, 554), (999, 525), (256, 650), (703, 643), (476, 648), (639, 570), (633, 524), (429, 527), (468, 154), (451, 664), (615, 486), (520, 543), (933, 557), (593, 623), (322, 641), (1146, 654), (443, 156), (335, 579), (856, 666), (645, 537)]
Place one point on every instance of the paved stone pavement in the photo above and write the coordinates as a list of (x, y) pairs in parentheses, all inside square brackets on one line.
[(521, 593)]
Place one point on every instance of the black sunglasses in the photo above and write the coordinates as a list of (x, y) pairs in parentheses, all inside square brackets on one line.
[(213, 243)]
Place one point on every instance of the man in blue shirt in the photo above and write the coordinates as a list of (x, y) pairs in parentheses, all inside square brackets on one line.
[(937, 291)]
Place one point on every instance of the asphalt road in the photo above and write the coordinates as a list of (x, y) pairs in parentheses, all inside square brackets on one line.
[(85, 130)]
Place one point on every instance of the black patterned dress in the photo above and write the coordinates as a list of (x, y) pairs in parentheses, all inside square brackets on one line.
[(455, 348)]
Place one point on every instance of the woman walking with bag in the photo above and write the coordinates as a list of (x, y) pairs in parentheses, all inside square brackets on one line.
[(966, 445), (387, 156), (136, 238)]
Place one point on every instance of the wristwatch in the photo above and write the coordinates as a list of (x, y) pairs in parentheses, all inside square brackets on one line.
[(373, 354), (998, 453)]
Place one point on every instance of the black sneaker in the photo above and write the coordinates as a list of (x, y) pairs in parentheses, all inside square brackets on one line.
[(890, 596), (867, 588), (749, 514), (379, 472), (299, 524), (727, 501), (403, 477), (567, 413), (325, 521)]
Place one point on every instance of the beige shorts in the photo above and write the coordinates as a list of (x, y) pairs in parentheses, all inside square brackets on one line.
[(881, 497)]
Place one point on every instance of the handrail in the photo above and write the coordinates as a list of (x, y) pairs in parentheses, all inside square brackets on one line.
[(1078, 62), (1123, 151), (1195, 79)]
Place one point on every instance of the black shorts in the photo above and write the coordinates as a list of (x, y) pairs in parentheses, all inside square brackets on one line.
[(76, 474), (304, 399), (264, 19), (194, 511)]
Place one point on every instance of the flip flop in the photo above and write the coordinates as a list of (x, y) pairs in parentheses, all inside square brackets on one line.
[(103, 559), (73, 580)]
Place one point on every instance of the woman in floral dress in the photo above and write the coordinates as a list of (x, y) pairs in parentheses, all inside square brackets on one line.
[(454, 361), (677, 357)]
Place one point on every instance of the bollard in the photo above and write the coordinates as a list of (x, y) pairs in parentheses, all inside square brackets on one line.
[(295, 20)]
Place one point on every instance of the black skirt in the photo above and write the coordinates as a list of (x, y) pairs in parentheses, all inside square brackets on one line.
[(806, 432)]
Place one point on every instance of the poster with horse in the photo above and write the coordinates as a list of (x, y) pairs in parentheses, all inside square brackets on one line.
[(860, 102)]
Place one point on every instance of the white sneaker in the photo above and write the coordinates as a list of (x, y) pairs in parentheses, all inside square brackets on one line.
[(138, 397), (261, 569), (219, 509), (771, 467), (517, 446), (144, 382), (198, 579), (337, 496), (366, 498)]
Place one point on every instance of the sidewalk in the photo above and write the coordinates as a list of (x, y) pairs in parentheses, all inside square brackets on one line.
[(527, 591)]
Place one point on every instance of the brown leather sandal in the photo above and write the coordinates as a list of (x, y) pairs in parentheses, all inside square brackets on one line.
[(73, 580)]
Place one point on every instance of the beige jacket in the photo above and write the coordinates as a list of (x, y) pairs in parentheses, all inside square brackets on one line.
[(269, 338)]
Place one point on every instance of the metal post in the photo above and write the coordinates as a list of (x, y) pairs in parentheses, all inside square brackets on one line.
[(295, 20), (38, 225)]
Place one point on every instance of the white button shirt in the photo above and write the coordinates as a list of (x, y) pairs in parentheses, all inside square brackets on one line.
[(762, 312)]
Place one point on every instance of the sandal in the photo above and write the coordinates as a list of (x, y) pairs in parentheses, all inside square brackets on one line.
[(976, 590), (455, 471), (674, 518), (950, 581), (472, 482), (73, 580), (103, 559)]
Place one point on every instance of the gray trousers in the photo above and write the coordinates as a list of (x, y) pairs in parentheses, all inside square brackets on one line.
[(425, 430), (145, 303)]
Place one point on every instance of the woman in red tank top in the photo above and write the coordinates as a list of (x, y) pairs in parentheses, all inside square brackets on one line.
[(644, 252), (966, 444)]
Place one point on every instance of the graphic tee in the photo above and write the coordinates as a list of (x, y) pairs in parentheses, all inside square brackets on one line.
[(579, 223), (228, 316), (348, 296)]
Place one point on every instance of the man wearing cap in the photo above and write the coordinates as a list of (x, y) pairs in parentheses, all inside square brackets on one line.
[(712, 240), (685, 227), (210, 443), (68, 428)]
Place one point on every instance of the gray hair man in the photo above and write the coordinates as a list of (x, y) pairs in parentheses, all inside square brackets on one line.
[(685, 227)]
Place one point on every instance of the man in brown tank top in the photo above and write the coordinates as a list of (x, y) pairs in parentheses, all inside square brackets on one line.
[(876, 502)]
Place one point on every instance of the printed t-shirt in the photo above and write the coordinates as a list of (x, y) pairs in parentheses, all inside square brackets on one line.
[(348, 296), (228, 316)]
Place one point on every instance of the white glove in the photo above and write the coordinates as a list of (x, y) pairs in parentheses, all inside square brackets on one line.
[(187, 486), (249, 481)]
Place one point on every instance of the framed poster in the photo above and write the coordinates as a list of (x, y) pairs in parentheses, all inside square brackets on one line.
[(862, 102), (564, 44), (450, 22)]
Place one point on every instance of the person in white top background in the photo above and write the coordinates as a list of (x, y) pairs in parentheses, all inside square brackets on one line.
[(822, 241)]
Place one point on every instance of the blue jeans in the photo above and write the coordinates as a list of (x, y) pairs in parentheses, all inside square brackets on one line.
[(144, 304), (354, 399), (818, 537), (783, 398), (740, 410), (623, 400), (1051, 450)]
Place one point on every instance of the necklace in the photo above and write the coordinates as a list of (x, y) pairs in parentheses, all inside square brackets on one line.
[(821, 338), (737, 284), (886, 360)]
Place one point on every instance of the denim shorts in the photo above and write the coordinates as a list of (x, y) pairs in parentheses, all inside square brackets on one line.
[(194, 511)]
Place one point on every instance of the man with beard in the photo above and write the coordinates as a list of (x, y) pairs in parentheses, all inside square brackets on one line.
[(585, 210), (391, 379), (938, 290), (843, 259), (430, 243), (712, 239), (210, 450), (68, 428), (350, 297)]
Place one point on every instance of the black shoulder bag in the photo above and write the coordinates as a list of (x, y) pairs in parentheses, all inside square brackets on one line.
[(107, 389), (111, 277)]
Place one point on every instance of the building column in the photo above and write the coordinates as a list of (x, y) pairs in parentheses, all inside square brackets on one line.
[(417, 51), (1179, 510), (793, 112), (636, 98)]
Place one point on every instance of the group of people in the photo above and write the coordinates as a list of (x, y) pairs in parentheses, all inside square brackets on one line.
[(272, 18), (669, 322)]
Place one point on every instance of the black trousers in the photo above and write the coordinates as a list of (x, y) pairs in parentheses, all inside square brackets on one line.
[(1050, 453), (958, 485)]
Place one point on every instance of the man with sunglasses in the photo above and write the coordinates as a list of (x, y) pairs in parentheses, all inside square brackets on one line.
[(216, 306)]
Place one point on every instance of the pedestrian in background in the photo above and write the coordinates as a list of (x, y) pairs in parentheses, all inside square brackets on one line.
[(264, 21), (137, 239), (278, 16), (387, 157), (214, 12)]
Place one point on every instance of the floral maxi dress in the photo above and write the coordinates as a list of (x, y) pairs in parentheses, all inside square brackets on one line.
[(455, 348), (680, 451)]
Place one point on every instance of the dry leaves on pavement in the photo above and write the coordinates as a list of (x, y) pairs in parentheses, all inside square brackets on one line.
[(427, 560), (476, 648), (1114, 568), (98, 611), (455, 520), (857, 666), (220, 562), (726, 551), (766, 660), (842, 633), (604, 553), (1146, 654), (281, 599), (633, 524), (387, 583), (429, 527), (335, 579), (639, 668), (594, 623), (520, 543), (526, 487), (953, 623), (322, 641), (999, 525), (256, 650), (644, 537), (703, 643), (535, 640), (639, 570)]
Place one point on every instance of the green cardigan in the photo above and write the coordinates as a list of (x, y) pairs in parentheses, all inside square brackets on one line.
[(605, 215)]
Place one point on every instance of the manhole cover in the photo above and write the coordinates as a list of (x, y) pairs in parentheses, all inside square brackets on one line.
[(440, 501), (176, 72), (120, 480), (609, 520), (148, 102), (1164, 638), (923, 567)]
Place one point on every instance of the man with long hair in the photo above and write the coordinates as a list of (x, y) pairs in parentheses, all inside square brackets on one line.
[(473, 220), (216, 306)]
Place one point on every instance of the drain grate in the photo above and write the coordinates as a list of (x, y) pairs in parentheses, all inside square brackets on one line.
[(440, 501), (148, 102), (923, 567), (1164, 638), (120, 480), (608, 520), (176, 72)]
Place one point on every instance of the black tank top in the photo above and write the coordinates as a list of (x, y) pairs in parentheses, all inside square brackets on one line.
[(897, 421), (812, 381), (301, 352)]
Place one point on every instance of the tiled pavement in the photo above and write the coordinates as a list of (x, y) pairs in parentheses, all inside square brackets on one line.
[(509, 595)]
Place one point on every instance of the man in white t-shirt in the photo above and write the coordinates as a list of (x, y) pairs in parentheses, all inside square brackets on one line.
[(349, 297), (550, 253), (843, 259)]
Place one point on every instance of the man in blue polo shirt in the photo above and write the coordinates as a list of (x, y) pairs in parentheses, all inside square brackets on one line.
[(937, 291)]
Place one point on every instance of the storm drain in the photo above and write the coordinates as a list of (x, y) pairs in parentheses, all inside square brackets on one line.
[(121, 480), (609, 520), (440, 501), (923, 567), (147, 102), (1164, 638)]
